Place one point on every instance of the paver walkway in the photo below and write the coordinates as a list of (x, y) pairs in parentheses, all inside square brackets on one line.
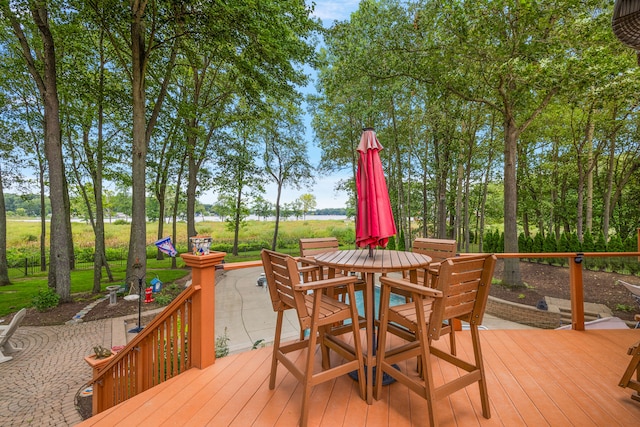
[(38, 387)]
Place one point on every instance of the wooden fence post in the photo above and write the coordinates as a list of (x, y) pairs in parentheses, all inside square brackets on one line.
[(203, 275)]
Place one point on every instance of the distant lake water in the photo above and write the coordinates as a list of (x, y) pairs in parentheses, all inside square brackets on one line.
[(271, 218)]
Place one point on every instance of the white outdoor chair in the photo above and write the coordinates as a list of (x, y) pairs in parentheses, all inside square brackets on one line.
[(635, 293), (5, 334)]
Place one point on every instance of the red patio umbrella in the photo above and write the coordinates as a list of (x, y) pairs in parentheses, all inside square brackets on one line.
[(374, 221)]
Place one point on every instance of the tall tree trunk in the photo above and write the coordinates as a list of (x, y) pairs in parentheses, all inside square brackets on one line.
[(554, 222), (43, 215), (137, 262), (100, 256), (485, 185), (467, 197), (608, 189), (176, 205), (192, 183), (583, 176), (236, 220), (590, 165), (4, 266), (60, 274), (442, 160), (45, 79), (457, 222), (511, 273), (274, 242)]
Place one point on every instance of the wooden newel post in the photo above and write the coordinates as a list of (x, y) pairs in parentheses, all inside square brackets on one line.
[(577, 292), (203, 274)]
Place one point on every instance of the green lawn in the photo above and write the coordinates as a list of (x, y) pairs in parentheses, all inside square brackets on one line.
[(22, 291)]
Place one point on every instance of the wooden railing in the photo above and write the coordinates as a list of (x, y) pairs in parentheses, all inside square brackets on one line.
[(182, 336), (576, 285)]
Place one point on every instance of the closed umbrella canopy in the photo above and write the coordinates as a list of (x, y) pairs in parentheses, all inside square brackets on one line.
[(374, 221)]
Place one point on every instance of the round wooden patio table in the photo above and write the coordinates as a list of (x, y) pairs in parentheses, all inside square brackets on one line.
[(383, 261)]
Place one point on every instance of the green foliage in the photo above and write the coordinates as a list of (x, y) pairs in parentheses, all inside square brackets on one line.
[(30, 238), (624, 307), (400, 242), (631, 243), (563, 243), (574, 243), (549, 244), (391, 245), (167, 294), (222, 345), (588, 245), (601, 243), (615, 244), (538, 243), (500, 246), (120, 222), (46, 299), (163, 299), (522, 243)]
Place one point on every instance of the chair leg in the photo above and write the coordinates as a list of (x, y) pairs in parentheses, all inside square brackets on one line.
[(430, 390), (308, 383), (452, 339), (326, 360), (357, 343), (482, 383), (382, 339), (276, 350), (422, 337)]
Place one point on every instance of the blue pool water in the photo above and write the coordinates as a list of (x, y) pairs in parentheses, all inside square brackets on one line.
[(393, 300)]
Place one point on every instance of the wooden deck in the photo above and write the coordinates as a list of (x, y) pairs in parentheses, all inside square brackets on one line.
[(535, 378)]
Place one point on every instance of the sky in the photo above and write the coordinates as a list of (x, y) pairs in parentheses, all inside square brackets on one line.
[(323, 188)]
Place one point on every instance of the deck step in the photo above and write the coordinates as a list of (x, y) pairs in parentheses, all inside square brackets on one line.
[(592, 311)]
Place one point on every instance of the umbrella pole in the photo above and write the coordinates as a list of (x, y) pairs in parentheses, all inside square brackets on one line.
[(370, 251)]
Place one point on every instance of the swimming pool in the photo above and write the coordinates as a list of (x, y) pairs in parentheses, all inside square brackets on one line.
[(393, 300)]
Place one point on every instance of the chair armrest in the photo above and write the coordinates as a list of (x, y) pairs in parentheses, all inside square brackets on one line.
[(326, 283), (308, 269), (407, 286), (307, 261)]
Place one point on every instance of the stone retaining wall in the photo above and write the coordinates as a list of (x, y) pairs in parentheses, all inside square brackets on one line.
[(524, 314)]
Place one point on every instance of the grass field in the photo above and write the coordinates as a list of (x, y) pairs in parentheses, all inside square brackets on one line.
[(24, 235), (23, 240)]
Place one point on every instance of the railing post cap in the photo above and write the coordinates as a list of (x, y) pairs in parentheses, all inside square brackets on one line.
[(203, 261)]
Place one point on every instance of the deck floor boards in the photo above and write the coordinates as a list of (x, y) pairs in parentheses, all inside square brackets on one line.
[(534, 377)]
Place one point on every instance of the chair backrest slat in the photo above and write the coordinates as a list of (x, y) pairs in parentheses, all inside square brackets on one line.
[(15, 322), (314, 246), (282, 275), (464, 282), (437, 249)]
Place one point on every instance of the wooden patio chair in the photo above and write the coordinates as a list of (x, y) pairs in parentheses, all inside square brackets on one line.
[(438, 250), (5, 334), (309, 248), (461, 293), (627, 379), (316, 312)]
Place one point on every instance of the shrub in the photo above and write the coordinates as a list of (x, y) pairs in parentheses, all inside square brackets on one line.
[(222, 345), (163, 299), (46, 299)]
